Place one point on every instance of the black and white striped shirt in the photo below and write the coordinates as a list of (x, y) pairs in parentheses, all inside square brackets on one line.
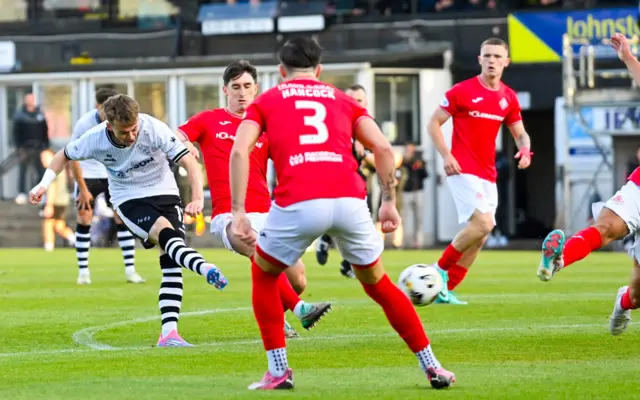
[(139, 171)]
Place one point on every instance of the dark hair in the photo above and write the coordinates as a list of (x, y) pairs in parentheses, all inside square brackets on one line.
[(495, 42), (236, 69), (356, 86), (121, 109), (103, 94), (300, 53)]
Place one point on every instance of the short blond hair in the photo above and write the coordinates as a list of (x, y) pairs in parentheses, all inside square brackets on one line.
[(121, 109)]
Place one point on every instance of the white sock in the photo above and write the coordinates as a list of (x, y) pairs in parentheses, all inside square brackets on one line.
[(204, 268), (130, 270), (278, 363), (168, 327), (48, 247), (426, 359), (297, 310)]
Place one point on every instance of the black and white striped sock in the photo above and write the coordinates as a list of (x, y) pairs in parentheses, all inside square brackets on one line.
[(170, 297), (83, 243), (128, 246), (173, 244)]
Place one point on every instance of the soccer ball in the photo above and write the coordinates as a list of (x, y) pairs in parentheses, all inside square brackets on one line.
[(422, 283)]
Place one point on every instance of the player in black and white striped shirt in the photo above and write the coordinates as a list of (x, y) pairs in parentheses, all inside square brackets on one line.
[(91, 181), (134, 148)]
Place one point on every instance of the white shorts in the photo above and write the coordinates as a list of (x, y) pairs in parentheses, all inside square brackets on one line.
[(289, 231), (626, 204), (220, 222), (471, 193)]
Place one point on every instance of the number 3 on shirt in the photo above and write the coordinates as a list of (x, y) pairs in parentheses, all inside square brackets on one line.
[(315, 121)]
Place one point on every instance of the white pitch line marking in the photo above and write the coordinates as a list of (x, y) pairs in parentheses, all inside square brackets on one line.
[(85, 337), (306, 338)]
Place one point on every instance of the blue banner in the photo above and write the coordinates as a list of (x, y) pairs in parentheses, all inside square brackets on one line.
[(209, 12), (536, 37), (245, 18)]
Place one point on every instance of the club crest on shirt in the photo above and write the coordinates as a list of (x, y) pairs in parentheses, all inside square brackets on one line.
[(503, 103), (145, 148), (444, 102)]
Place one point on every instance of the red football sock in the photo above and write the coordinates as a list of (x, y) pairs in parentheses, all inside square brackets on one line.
[(580, 245), (456, 273), (449, 258), (626, 303), (288, 296), (267, 307), (400, 312)]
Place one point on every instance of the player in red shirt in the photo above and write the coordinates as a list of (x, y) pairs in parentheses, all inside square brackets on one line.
[(214, 130), (615, 219), (310, 126), (478, 106)]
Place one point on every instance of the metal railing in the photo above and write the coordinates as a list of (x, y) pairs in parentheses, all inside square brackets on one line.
[(587, 71), (7, 165)]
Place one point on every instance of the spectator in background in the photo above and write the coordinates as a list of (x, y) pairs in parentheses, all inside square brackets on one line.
[(634, 162), (55, 209), (31, 137), (413, 196)]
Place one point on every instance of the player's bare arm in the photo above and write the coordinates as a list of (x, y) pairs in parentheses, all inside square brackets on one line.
[(194, 174), (359, 149), (57, 165), (434, 128), (190, 146), (369, 134), (246, 137), (620, 44), (523, 141), (84, 195)]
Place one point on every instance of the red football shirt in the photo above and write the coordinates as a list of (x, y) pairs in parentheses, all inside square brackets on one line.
[(477, 113), (635, 176), (215, 131), (309, 125)]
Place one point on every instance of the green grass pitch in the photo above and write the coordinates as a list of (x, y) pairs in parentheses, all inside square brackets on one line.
[(517, 338)]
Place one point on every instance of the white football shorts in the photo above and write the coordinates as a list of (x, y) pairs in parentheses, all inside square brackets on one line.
[(220, 222), (626, 204), (472, 193), (289, 231)]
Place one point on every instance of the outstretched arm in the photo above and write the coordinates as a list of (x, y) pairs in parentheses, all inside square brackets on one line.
[(57, 165), (620, 44)]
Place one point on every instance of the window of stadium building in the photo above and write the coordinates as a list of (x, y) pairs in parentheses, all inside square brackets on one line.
[(128, 9), (13, 10), (199, 97), (397, 107), (120, 87), (341, 80), (57, 101), (152, 97)]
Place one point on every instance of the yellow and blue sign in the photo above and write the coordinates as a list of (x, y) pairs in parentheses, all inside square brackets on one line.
[(537, 37)]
